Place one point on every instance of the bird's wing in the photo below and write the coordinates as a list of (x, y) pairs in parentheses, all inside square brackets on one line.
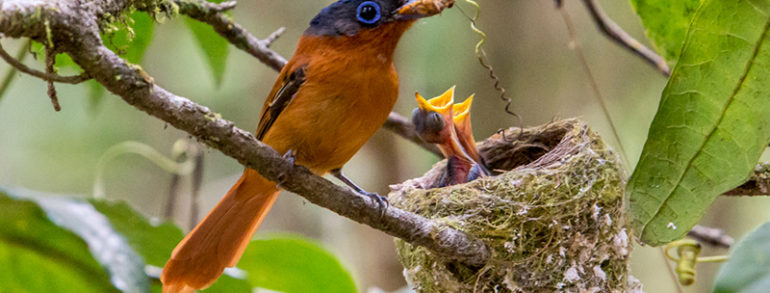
[(283, 93)]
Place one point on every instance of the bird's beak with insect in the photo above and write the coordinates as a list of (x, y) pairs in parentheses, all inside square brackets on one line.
[(329, 99)]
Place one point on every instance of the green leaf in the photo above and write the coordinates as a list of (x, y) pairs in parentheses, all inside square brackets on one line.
[(748, 269), (713, 122), (230, 284), (95, 93), (134, 38), (294, 265), (215, 48), (155, 242), (666, 23), (37, 255), (62, 60), (83, 245), (131, 40)]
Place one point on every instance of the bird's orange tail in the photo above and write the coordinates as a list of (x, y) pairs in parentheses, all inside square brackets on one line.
[(220, 239)]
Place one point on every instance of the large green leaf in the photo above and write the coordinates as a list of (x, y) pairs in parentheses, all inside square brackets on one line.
[(748, 269), (86, 243), (48, 242), (37, 255), (294, 265), (666, 23), (215, 48), (712, 124), (154, 242)]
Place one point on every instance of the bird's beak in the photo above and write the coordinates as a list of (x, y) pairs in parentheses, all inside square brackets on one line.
[(462, 123), (441, 104), (462, 111), (414, 9), (447, 139)]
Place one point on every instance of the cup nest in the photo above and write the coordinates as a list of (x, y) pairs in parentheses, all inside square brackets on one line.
[(553, 217)]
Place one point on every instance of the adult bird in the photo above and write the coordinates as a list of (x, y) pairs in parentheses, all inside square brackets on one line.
[(328, 101)]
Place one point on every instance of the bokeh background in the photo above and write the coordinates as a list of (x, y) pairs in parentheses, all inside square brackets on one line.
[(528, 45)]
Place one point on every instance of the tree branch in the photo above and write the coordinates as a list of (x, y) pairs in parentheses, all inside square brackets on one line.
[(274, 36), (74, 29), (614, 32), (712, 236), (232, 32)]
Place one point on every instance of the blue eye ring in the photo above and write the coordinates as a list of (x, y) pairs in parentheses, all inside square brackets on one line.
[(368, 19)]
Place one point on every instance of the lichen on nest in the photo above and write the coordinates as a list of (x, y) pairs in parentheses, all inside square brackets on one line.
[(554, 222)]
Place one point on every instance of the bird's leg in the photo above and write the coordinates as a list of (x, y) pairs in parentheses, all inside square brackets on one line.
[(290, 156), (381, 200)]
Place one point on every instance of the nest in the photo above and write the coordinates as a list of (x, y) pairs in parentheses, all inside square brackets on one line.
[(553, 218)]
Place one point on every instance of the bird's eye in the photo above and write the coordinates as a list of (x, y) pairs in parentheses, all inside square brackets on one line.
[(434, 122), (369, 12)]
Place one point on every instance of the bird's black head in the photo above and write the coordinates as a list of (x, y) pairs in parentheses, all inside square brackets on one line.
[(348, 17)]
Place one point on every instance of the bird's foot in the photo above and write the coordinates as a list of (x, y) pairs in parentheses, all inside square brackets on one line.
[(382, 202)]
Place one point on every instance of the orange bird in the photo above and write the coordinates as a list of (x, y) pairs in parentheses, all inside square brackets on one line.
[(328, 101), (448, 126)]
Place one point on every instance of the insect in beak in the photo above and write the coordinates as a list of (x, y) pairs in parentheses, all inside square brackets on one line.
[(414, 9)]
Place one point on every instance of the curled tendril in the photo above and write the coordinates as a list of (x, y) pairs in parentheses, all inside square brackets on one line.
[(482, 56)]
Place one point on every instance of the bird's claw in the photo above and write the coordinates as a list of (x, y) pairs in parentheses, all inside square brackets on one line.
[(382, 202)]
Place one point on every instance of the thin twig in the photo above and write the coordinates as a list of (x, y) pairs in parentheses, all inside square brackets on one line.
[(274, 36), (671, 273), (233, 32), (50, 59), (614, 32), (75, 79), (712, 236), (173, 196), (219, 7), (197, 181), (11, 74), (594, 85), (173, 190)]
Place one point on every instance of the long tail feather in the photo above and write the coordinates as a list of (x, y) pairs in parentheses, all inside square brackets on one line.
[(220, 239)]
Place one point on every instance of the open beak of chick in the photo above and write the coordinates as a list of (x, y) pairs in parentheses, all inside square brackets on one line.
[(462, 121), (436, 122)]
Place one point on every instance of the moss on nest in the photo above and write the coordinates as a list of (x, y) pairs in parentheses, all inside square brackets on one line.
[(553, 223)]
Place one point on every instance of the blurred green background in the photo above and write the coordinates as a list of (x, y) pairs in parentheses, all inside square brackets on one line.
[(528, 46)]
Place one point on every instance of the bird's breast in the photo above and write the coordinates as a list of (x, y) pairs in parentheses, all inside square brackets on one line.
[(339, 107)]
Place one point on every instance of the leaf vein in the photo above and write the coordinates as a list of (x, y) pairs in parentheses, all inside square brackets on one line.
[(739, 86)]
